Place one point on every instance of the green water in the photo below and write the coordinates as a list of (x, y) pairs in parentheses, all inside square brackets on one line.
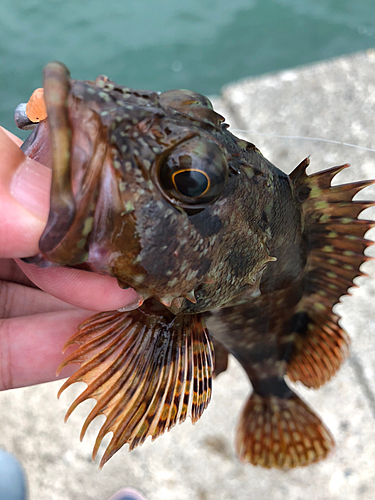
[(159, 45)]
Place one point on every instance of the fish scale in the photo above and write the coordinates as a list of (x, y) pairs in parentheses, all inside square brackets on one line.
[(232, 257)]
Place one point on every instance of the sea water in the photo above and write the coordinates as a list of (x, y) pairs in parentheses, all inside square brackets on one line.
[(165, 44)]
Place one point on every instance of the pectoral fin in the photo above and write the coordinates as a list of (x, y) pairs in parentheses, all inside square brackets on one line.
[(147, 370)]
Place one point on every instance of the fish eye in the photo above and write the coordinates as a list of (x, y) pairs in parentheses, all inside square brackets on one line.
[(194, 172)]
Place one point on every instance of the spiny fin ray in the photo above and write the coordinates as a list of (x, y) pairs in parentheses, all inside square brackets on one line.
[(147, 370), (336, 242)]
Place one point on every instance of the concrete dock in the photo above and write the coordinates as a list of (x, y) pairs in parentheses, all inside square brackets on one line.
[(332, 100)]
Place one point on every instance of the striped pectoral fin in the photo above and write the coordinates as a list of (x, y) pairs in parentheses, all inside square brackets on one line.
[(147, 370), (281, 432)]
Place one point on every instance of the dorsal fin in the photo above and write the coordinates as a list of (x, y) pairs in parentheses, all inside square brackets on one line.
[(335, 238)]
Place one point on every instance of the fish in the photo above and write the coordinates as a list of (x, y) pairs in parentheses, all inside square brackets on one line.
[(228, 254)]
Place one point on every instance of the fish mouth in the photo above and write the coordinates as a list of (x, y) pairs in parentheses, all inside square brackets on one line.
[(38, 146), (60, 142)]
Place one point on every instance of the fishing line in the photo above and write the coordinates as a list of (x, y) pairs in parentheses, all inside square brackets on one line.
[(319, 139)]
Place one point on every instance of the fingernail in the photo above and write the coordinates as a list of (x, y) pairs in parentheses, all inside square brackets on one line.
[(136, 302), (31, 186)]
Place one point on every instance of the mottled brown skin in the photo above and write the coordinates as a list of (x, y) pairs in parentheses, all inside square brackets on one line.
[(244, 254), (135, 232)]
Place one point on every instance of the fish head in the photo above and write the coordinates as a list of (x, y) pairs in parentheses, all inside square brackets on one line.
[(151, 188)]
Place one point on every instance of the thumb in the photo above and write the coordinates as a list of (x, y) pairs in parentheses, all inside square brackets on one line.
[(24, 199)]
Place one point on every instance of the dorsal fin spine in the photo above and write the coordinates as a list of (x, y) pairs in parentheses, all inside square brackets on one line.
[(336, 242)]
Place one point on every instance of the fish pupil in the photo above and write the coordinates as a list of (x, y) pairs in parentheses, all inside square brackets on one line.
[(191, 183)]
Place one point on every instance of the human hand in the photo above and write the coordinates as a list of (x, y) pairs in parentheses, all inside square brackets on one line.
[(39, 308)]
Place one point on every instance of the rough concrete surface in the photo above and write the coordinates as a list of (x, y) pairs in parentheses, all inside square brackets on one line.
[(331, 100)]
